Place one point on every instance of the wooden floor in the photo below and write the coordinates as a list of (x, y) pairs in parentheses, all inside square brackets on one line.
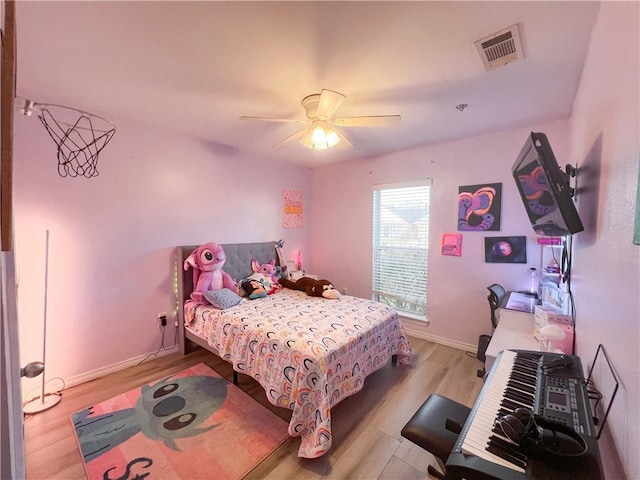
[(366, 426)]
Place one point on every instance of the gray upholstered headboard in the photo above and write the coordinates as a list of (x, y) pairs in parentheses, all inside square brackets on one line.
[(238, 265), (239, 256)]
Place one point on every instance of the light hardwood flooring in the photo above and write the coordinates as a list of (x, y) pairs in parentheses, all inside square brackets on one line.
[(366, 426)]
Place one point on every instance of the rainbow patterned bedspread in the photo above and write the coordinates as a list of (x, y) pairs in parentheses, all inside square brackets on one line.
[(308, 353)]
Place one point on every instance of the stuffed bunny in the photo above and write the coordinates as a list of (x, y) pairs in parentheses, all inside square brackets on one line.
[(267, 269), (207, 261)]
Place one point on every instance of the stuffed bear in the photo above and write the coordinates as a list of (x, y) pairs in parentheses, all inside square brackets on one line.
[(207, 261), (314, 288)]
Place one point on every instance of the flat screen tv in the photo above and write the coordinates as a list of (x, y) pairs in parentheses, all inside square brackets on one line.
[(544, 189)]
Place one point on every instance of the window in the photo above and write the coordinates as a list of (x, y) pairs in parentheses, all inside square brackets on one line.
[(401, 245)]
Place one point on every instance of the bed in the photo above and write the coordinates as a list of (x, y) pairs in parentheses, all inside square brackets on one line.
[(308, 353)]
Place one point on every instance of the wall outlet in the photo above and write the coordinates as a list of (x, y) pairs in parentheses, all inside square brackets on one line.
[(344, 291), (162, 318)]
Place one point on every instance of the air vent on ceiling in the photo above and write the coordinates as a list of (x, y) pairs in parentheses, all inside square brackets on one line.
[(500, 48)]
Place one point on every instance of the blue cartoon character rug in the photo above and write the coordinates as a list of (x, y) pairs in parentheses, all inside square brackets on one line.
[(182, 426)]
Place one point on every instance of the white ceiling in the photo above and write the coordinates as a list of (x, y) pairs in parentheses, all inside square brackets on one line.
[(196, 67)]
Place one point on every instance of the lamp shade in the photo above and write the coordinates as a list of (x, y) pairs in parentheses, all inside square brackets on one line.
[(320, 136), (552, 332)]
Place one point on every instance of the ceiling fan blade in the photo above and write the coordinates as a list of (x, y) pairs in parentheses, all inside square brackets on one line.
[(329, 102), (306, 138), (344, 143), (291, 138), (368, 121), (271, 119)]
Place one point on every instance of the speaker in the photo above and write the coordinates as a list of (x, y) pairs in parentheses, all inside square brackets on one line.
[(483, 343)]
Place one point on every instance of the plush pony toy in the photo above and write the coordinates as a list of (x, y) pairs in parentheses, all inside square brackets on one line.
[(314, 288), (207, 261)]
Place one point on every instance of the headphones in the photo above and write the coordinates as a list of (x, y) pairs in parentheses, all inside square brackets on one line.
[(558, 363), (538, 435)]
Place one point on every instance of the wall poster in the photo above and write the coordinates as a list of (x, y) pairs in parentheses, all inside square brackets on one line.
[(479, 207), (292, 208), (452, 244), (505, 249)]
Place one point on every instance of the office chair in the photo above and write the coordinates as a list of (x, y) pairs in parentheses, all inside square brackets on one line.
[(496, 294)]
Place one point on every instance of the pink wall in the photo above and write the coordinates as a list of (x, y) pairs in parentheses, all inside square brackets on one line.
[(457, 307), (605, 142), (111, 237), (602, 138)]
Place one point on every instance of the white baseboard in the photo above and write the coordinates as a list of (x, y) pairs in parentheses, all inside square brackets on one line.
[(418, 329), (116, 367), (413, 328)]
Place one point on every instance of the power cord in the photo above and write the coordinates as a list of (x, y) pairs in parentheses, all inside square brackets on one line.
[(163, 329), (161, 347), (25, 401), (57, 392), (593, 394)]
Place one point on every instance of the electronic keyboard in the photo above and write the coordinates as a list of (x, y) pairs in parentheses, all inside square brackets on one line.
[(552, 387)]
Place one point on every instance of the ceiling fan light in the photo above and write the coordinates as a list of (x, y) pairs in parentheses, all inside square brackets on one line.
[(332, 138), (318, 136), (321, 138)]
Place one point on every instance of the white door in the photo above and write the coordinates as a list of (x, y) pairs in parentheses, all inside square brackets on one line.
[(11, 426)]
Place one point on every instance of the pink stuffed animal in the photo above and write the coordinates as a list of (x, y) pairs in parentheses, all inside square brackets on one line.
[(267, 269), (207, 261)]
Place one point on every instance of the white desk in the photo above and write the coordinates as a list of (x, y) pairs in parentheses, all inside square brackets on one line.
[(518, 302), (515, 330)]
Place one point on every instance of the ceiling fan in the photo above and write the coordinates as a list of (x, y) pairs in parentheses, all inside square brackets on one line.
[(322, 134)]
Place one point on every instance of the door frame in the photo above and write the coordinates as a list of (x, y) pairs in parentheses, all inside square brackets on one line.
[(11, 418), (12, 457)]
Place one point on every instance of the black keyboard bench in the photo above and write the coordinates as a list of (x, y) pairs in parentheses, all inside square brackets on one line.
[(435, 427)]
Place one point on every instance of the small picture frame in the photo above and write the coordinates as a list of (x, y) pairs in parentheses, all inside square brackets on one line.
[(452, 244), (505, 249)]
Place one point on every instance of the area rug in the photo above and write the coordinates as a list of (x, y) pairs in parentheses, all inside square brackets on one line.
[(191, 425)]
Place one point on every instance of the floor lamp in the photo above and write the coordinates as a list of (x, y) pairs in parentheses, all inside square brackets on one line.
[(43, 402)]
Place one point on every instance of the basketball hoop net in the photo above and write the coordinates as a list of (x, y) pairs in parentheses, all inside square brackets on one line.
[(79, 136)]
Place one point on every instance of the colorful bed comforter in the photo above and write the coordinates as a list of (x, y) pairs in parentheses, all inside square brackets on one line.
[(308, 353)]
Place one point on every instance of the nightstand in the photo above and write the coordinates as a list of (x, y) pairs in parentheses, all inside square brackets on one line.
[(296, 274)]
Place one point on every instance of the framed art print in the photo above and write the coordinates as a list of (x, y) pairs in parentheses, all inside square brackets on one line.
[(479, 207), (452, 244), (505, 249), (292, 208)]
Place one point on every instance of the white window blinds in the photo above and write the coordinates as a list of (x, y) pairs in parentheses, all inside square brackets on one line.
[(400, 245)]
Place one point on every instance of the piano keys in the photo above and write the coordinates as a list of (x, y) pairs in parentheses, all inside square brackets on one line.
[(518, 379)]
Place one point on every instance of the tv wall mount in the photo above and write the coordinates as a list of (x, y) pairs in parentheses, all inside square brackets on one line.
[(571, 172)]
